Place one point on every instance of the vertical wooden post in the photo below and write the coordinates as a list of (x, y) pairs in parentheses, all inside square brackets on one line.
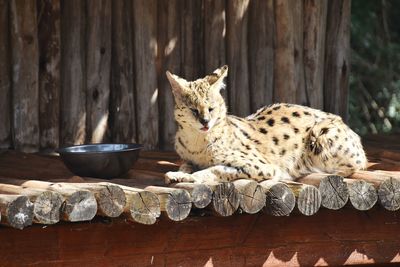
[(49, 72), (73, 86), (192, 39), (284, 65), (145, 51), (5, 77), (237, 46), (337, 58), (122, 106), (214, 37), (169, 58), (25, 75), (98, 68), (314, 50), (261, 53)]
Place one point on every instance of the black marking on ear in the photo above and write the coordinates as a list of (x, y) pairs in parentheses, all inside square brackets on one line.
[(295, 114), (285, 120), (276, 108), (263, 130), (271, 122), (261, 118), (275, 140)]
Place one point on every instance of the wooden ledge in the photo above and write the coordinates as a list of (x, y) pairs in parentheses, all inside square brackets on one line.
[(327, 238)]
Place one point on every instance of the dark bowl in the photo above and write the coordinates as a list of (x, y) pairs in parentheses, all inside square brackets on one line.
[(100, 160)]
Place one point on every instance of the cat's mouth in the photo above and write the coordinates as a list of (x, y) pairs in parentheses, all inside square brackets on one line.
[(205, 129)]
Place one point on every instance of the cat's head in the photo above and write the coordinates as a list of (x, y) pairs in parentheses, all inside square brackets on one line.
[(199, 104)]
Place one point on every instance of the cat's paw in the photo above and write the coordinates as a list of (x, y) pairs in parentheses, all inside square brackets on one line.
[(178, 177)]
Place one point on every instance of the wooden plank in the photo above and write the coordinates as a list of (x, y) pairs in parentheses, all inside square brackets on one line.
[(261, 53), (73, 85), (169, 58), (315, 12), (284, 63), (237, 46), (192, 56), (5, 77), (215, 37), (145, 51), (49, 72), (98, 69), (25, 75), (337, 58), (234, 241), (122, 106)]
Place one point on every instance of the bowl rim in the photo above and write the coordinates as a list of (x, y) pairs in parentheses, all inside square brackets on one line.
[(131, 147)]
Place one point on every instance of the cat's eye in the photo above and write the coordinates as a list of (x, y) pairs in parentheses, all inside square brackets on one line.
[(210, 109), (195, 111)]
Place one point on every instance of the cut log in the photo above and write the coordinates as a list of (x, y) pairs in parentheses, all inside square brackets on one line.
[(16, 211), (226, 198), (337, 58), (46, 204), (214, 37), (79, 205), (362, 194), (280, 200), (122, 106), (169, 56), (110, 198), (49, 72), (5, 77), (237, 47), (25, 75), (201, 194), (252, 196), (261, 53), (141, 206), (333, 189), (98, 68), (387, 185), (73, 85), (308, 197), (145, 52)]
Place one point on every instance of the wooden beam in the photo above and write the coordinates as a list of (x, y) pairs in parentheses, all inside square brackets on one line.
[(5, 77), (261, 53), (225, 200), (308, 197), (73, 85), (98, 69), (122, 105), (25, 75), (49, 72), (362, 194), (201, 194), (16, 211), (145, 52), (237, 47), (280, 199)]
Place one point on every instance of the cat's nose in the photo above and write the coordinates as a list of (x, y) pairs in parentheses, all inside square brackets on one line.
[(204, 121)]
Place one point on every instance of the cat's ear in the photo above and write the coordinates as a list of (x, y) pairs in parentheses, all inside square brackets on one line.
[(177, 84), (216, 79)]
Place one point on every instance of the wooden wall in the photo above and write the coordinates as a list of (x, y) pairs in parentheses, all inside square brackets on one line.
[(74, 71)]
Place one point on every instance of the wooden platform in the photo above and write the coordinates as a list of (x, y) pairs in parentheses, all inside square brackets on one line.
[(137, 220)]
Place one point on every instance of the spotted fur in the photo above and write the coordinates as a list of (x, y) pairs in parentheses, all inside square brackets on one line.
[(281, 141)]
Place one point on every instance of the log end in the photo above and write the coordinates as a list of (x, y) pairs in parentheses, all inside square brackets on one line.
[(47, 207), (178, 204), (252, 196), (79, 206), (111, 201), (389, 194), (280, 200), (201, 195), (143, 207), (226, 199), (19, 213), (309, 200), (362, 194), (334, 192)]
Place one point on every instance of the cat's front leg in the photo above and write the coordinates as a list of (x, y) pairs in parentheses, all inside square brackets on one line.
[(187, 167)]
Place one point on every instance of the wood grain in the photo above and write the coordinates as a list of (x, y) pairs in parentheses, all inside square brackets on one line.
[(49, 35), (237, 46), (122, 105), (25, 75), (337, 58), (145, 52), (98, 69), (261, 53), (73, 69), (5, 77)]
